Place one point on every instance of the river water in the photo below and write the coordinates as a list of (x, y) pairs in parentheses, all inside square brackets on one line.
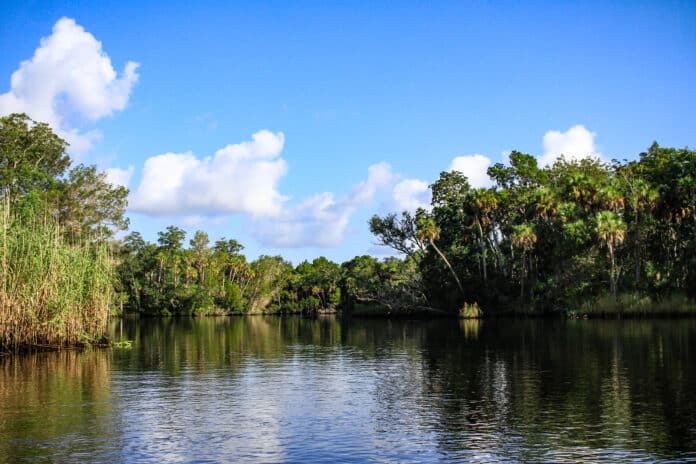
[(266, 389)]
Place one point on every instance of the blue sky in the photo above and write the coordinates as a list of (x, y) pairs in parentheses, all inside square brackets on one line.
[(355, 106)]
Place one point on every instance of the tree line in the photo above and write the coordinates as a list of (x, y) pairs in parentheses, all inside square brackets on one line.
[(583, 236), (578, 236), (167, 278)]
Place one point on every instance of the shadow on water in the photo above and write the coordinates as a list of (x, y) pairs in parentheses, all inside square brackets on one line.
[(294, 389)]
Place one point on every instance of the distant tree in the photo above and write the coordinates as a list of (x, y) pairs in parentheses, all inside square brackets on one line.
[(172, 238), (201, 252), (231, 247)]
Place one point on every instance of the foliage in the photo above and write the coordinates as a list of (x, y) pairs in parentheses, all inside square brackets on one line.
[(542, 239), (549, 239), (57, 271), (32, 157), (470, 311), (167, 279), (34, 168)]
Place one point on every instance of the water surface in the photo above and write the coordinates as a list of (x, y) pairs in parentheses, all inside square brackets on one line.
[(260, 389)]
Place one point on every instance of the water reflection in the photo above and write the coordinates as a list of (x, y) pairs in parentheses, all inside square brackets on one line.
[(56, 404), (265, 389), (580, 390)]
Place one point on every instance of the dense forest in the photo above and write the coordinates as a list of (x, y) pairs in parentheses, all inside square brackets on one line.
[(578, 237), (583, 236)]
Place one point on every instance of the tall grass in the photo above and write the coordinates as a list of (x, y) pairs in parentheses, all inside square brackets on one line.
[(635, 305), (51, 292)]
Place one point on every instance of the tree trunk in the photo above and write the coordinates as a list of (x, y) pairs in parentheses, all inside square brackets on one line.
[(449, 266), (482, 244), (612, 275), (523, 274)]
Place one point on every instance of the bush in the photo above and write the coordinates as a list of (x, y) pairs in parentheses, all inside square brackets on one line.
[(470, 311)]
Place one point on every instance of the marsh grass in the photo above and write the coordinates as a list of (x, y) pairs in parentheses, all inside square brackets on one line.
[(470, 311), (52, 293), (635, 305)]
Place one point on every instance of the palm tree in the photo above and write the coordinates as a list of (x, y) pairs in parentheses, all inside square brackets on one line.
[(482, 203), (640, 201), (611, 230), (547, 204), (525, 238), (428, 230)]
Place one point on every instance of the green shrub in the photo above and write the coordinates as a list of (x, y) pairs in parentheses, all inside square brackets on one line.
[(470, 311)]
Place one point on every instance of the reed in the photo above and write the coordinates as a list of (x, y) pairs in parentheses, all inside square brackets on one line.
[(470, 311), (636, 305), (52, 293)]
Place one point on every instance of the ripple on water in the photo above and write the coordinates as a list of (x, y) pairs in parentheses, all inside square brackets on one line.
[(379, 391)]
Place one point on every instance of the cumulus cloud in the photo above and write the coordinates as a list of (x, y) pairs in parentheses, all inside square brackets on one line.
[(411, 194), (474, 167), (322, 220), (117, 176), (379, 176), (69, 82), (239, 178), (575, 143), (316, 221)]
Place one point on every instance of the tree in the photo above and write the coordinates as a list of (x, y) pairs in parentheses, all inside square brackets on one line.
[(450, 189), (231, 247), (524, 238), (89, 206), (480, 206), (201, 252), (430, 232), (394, 284), (32, 157), (172, 238), (640, 202), (399, 234), (523, 172), (611, 231), (33, 168)]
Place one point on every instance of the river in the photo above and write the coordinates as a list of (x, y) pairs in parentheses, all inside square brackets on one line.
[(271, 389)]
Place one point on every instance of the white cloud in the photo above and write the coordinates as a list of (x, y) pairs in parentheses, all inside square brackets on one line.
[(239, 178), (474, 167), (379, 176), (411, 194), (316, 221), (575, 143), (69, 82), (117, 176), (322, 220)]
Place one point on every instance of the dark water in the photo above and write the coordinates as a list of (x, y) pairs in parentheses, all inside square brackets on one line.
[(296, 390)]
